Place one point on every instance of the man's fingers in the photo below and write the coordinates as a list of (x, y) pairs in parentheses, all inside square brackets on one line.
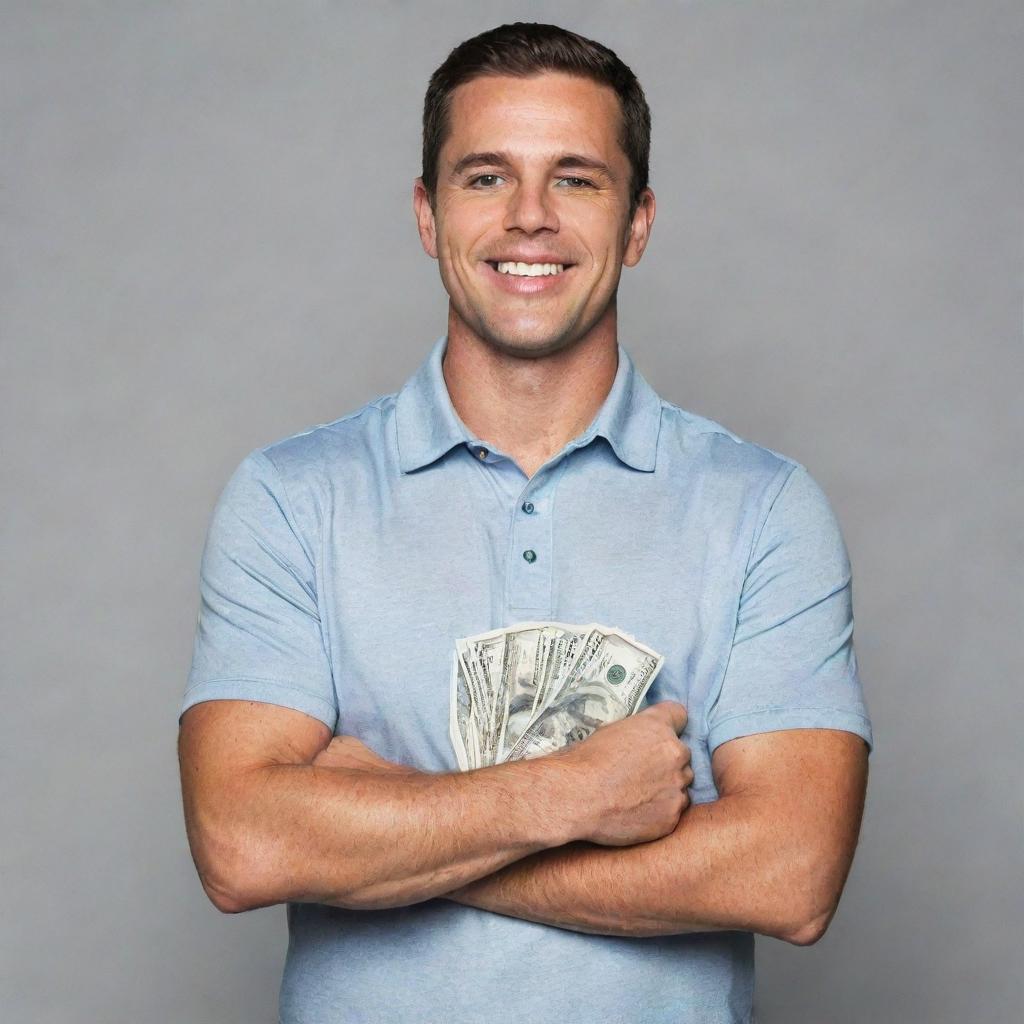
[(674, 712)]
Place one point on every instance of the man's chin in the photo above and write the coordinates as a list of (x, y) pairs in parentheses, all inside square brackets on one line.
[(524, 337), (527, 345)]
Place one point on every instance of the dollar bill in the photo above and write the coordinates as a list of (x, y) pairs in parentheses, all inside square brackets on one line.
[(461, 707), (520, 678), (535, 687), (605, 687)]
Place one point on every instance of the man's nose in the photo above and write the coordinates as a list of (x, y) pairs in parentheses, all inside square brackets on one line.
[(531, 208)]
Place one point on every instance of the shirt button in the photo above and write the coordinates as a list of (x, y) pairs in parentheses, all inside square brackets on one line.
[(528, 507), (482, 453), (530, 555)]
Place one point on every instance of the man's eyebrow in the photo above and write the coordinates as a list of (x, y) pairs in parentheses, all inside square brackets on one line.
[(479, 160), (497, 159), (586, 163)]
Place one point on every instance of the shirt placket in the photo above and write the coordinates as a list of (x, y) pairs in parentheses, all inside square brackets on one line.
[(530, 558)]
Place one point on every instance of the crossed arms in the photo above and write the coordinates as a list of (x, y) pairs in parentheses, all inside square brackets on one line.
[(599, 838)]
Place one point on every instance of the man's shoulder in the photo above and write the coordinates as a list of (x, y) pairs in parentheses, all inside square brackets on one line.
[(718, 450), (325, 447)]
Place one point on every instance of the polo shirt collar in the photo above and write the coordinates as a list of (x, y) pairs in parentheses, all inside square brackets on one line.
[(428, 426)]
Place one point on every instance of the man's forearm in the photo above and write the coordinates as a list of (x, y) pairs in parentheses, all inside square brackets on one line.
[(354, 830), (724, 867), (368, 840)]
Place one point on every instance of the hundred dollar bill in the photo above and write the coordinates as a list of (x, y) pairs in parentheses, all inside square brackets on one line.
[(608, 681), (576, 715), (479, 689), (535, 686), (494, 663), (557, 649), (560, 647), (519, 677), (460, 712), (546, 645), (487, 652)]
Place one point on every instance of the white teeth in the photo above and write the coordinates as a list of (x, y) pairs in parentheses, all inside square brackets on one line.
[(530, 269)]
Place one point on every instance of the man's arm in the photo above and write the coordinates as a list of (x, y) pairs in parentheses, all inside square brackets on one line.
[(268, 824), (771, 855)]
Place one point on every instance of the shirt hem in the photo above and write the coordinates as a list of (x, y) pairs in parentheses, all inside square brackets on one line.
[(263, 691), (778, 719)]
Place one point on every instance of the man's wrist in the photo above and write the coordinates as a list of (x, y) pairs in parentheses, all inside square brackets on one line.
[(554, 792)]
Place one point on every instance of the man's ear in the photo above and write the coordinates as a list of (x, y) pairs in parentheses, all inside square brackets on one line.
[(424, 218), (639, 229)]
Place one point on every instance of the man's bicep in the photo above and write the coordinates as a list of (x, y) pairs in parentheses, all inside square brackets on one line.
[(800, 762), (258, 634), (809, 785), (235, 735), (792, 664)]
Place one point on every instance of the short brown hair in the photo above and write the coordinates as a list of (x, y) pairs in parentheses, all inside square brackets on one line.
[(524, 49)]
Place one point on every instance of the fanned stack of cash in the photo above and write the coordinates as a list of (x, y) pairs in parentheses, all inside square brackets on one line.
[(535, 687)]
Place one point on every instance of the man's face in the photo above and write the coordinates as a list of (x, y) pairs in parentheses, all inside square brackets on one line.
[(532, 173)]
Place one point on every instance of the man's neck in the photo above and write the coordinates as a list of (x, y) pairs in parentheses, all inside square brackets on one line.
[(529, 408)]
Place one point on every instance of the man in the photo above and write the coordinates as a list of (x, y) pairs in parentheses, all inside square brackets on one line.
[(527, 471)]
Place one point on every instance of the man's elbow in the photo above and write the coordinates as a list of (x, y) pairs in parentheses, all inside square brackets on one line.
[(811, 921), (815, 877), (249, 887), (234, 876), (251, 884), (225, 899), (227, 904), (235, 899), (215, 856), (809, 933)]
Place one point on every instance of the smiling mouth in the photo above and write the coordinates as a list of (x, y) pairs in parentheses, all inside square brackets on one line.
[(529, 269)]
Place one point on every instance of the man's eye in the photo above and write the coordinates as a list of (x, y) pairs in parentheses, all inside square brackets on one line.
[(486, 180), (578, 182)]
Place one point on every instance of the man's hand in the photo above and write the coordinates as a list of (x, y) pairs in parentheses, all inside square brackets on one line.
[(348, 752), (631, 777)]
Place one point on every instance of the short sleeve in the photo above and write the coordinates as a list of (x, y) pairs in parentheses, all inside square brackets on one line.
[(258, 635), (792, 663)]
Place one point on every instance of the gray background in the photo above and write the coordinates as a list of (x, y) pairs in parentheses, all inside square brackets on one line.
[(207, 245)]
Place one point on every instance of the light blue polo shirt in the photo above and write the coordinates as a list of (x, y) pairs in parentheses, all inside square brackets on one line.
[(342, 563)]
